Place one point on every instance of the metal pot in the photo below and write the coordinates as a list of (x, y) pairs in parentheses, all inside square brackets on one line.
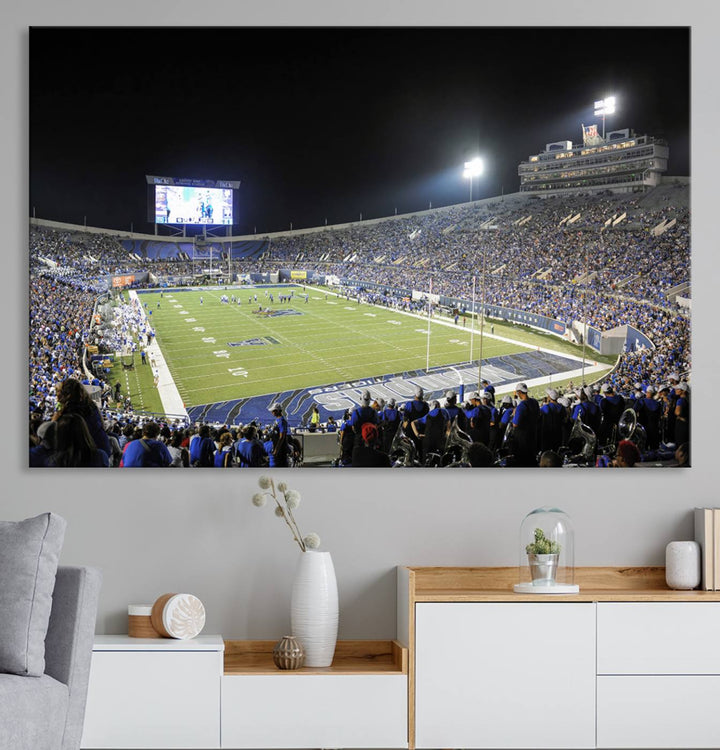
[(543, 568)]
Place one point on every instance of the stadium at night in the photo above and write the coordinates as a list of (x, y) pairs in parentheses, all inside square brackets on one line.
[(223, 290)]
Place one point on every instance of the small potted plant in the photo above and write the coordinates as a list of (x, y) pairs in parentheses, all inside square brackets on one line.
[(543, 555)]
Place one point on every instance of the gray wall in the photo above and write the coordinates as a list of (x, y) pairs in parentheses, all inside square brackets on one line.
[(155, 532), (199, 533)]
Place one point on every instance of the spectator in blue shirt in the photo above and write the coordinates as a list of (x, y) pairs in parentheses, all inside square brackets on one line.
[(148, 450), (525, 431)]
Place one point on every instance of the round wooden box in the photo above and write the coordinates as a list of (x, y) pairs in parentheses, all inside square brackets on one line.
[(178, 616), (140, 621)]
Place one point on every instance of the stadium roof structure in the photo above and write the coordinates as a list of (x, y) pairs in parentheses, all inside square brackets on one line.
[(622, 162)]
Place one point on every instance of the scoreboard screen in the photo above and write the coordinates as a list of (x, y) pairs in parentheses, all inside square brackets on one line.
[(178, 204)]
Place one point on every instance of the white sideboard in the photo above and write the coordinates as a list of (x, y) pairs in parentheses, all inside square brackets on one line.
[(154, 693), (206, 693), (626, 663)]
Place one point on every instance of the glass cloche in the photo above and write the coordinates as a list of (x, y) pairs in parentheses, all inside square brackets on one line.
[(546, 554)]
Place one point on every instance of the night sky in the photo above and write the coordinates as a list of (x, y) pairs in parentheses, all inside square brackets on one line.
[(325, 124)]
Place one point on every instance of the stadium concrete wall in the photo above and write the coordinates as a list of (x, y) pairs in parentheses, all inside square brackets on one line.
[(614, 341), (152, 531)]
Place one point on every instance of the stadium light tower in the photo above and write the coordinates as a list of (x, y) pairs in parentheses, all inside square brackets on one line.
[(473, 168), (604, 107)]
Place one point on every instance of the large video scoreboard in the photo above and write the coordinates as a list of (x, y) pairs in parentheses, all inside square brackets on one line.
[(189, 201)]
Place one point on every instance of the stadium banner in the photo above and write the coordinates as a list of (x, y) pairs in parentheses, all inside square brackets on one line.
[(522, 317), (594, 338), (118, 282), (637, 340), (312, 277)]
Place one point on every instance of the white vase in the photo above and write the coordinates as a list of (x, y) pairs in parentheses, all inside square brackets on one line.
[(682, 565), (314, 607)]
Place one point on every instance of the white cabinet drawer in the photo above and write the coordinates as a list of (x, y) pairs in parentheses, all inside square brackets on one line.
[(311, 711), (658, 638), (496, 675), (153, 699), (670, 711)]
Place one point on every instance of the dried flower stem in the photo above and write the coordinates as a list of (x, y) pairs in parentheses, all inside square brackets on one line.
[(288, 517), (296, 533), (285, 501)]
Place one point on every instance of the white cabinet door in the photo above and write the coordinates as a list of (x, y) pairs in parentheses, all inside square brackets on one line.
[(311, 711), (500, 675), (658, 711), (658, 638), (153, 699)]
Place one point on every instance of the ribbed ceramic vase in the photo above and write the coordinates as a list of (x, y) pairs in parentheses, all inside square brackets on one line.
[(314, 607), (288, 653)]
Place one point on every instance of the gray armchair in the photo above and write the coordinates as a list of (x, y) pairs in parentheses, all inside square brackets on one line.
[(47, 712)]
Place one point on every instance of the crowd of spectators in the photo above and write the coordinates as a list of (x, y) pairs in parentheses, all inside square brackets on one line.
[(60, 317), (82, 434), (514, 431), (89, 253), (449, 246)]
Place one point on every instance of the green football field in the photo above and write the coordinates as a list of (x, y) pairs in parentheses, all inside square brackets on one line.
[(220, 352)]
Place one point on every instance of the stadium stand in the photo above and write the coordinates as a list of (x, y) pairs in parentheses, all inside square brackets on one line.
[(609, 259)]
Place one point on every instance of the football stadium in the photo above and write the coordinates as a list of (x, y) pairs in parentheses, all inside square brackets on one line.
[(546, 326)]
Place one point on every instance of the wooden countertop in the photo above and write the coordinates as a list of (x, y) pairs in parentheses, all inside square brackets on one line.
[(597, 584), (351, 657)]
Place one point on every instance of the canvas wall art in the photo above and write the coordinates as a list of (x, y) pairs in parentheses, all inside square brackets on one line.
[(359, 247)]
